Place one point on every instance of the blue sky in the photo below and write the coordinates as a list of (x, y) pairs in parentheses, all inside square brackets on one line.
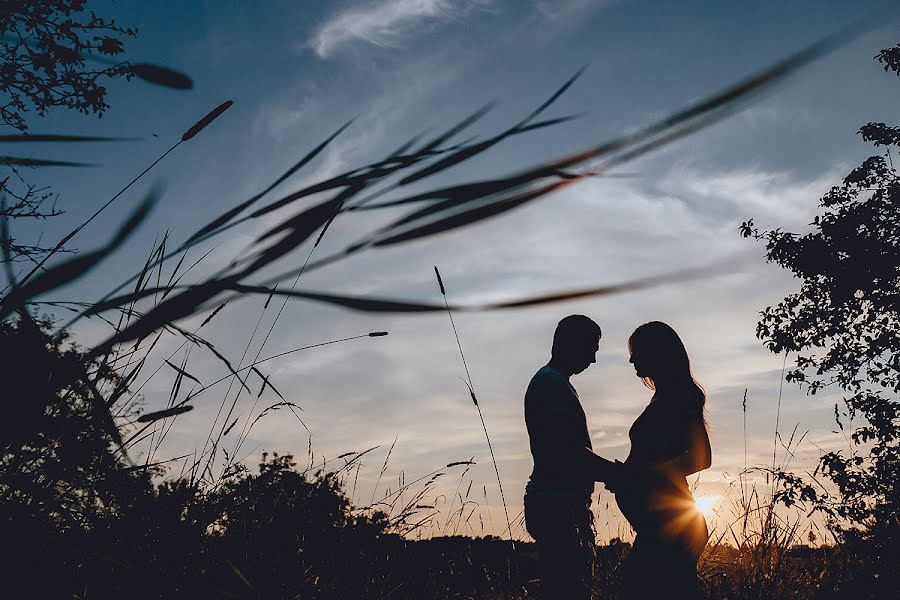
[(297, 70)]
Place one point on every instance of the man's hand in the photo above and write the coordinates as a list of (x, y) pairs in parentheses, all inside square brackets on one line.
[(617, 476)]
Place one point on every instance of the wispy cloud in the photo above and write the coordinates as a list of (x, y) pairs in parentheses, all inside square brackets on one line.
[(567, 10), (387, 23)]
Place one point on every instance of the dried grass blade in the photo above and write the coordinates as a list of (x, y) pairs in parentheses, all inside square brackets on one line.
[(475, 149), (182, 372), (50, 137), (230, 427), (207, 119), (306, 159), (389, 305), (461, 462), (405, 146), (704, 114), (119, 301), (231, 214), (240, 575), (167, 312), (462, 125), (297, 230), (39, 162), (467, 217), (163, 76), (454, 159), (272, 408), (155, 464), (76, 267), (339, 181), (122, 387), (172, 281), (353, 302), (213, 313), (305, 223), (173, 285), (705, 110), (606, 290), (548, 123), (554, 97), (265, 383), (450, 197)]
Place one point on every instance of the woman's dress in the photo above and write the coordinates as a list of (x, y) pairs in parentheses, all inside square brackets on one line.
[(668, 442)]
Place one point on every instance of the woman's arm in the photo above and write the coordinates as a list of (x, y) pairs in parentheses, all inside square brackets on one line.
[(697, 454)]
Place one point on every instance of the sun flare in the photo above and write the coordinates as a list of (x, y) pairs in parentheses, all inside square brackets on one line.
[(706, 504)]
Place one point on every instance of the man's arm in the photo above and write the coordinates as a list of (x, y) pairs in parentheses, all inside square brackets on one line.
[(581, 461), (550, 424), (600, 469)]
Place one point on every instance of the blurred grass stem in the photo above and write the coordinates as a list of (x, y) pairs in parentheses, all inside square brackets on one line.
[(475, 401)]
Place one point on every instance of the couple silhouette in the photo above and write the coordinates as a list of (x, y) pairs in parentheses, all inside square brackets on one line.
[(668, 442)]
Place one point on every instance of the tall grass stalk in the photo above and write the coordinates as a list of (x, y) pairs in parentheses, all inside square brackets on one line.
[(133, 439), (748, 557), (245, 430), (475, 401), (190, 133)]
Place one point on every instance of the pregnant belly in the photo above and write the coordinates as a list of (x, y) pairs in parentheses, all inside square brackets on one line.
[(656, 505), (634, 504)]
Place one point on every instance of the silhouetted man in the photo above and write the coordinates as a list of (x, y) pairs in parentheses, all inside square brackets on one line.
[(558, 494)]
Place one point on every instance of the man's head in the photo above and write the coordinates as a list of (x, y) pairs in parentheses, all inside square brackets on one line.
[(575, 344)]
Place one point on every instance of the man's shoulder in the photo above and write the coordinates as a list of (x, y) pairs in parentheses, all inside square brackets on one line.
[(549, 382), (547, 375)]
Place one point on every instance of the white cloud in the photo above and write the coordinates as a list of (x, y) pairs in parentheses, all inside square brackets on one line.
[(770, 197), (278, 122), (567, 10), (387, 23)]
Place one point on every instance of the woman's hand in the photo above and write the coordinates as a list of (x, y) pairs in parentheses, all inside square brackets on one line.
[(629, 487), (619, 475), (627, 477)]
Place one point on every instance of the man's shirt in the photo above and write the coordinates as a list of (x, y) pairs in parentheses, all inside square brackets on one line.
[(557, 431)]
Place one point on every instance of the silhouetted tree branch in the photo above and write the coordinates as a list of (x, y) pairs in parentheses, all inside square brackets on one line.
[(843, 326), (23, 201), (43, 49)]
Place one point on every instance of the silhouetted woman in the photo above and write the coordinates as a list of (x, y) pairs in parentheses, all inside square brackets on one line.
[(668, 443)]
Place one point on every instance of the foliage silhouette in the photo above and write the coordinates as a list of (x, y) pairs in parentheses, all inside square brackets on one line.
[(843, 326), (43, 66), (43, 49)]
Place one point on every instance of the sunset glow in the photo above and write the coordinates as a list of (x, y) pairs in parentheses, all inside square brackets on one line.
[(706, 504)]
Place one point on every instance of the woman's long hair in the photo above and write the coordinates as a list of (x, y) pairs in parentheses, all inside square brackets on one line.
[(660, 346)]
